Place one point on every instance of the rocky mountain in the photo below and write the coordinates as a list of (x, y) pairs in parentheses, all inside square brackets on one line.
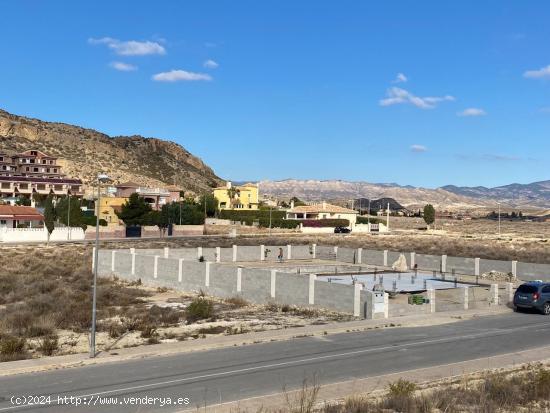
[(85, 152), (534, 194), (408, 196)]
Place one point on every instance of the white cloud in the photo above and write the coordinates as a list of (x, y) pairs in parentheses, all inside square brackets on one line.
[(400, 78), (543, 72), (123, 67), (396, 95), (418, 148), (210, 64), (130, 47), (472, 112), (180, 75)]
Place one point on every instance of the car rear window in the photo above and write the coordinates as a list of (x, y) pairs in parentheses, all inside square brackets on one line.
[(527, 289)]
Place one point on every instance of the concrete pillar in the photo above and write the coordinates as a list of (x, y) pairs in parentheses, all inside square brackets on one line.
[(207, 274), (311, 291), (359, 255), (132, 250), (476, 266), (262, 252), (431, 297), (515, 268), (239, 279), (180, 270), (218, 254), (494, 294), (386, 305), (166, 252), (413, 259), (113, 260), (336, 252), (133, 264), (510, 291), (273, 282), (466, 298), (443, 263), (93, 259), (314, 248), (385, 258), (234, 253), (357, 299), (289, 252), (156, 267), (199, 252)]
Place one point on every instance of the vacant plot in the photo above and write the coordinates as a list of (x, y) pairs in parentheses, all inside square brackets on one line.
[(45, 308)]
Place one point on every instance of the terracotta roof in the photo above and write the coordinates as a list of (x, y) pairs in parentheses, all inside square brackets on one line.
[(20, 212), (335, 209)]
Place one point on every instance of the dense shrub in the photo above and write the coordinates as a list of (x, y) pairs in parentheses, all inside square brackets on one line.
[(365, 220), (199, 309), (48, 345), (12, 348), (279, 223), (250, 215), (320, 223)]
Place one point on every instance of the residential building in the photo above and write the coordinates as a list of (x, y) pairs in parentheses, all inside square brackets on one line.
[(16, 216), (108, 208), (156, 197), (237, 197), (321, 211), (34, 172)]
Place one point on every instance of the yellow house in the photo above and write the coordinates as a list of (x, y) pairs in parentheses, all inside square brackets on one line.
[(237, 197), (108, 208)]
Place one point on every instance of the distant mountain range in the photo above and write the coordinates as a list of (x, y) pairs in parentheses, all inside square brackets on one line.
[(535, 195)]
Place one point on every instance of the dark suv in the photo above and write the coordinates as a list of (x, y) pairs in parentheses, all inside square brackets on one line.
[(535, 295)]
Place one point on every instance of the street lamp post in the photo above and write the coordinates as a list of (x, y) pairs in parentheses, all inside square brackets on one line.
[(100, 179)]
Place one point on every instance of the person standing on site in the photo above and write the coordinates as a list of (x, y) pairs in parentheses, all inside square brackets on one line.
[(280, 256)]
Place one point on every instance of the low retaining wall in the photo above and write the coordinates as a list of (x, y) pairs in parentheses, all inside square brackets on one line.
[(40, 234), (255, 285)]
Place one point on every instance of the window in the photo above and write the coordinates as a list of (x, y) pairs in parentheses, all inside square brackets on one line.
[(546, 289), (35, 169), (527, 289), (6, 185), (41, 187)]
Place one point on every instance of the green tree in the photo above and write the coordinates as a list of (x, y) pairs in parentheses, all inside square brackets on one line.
[(61, 210), (297, 201), (233, 194), (135, 211), (24, 201), (49, 215), (211, 205), (429, 214)]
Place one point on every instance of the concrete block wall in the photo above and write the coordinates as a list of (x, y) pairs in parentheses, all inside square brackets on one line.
[(530, 271), (428, 262), (461, 265), (348, 255), (372, 257), (334, 296), (488, 265)]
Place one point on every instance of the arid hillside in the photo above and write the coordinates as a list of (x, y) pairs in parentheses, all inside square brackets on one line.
[(85, 152)]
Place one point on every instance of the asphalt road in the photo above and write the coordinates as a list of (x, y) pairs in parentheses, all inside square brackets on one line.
[(240, 372)]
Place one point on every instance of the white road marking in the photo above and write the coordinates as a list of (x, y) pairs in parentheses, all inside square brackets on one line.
[(299, 361)]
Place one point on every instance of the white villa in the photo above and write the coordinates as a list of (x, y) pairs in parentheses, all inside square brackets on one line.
[(321, 211)]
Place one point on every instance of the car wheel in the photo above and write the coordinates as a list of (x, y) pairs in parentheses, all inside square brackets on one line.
[(546, 309), (517, 309)]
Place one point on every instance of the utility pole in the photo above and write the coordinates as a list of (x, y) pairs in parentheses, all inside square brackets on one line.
[(498, 219), (68, 214), (100, 178)]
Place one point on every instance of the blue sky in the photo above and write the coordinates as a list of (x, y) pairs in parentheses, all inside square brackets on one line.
[(423, 93)]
